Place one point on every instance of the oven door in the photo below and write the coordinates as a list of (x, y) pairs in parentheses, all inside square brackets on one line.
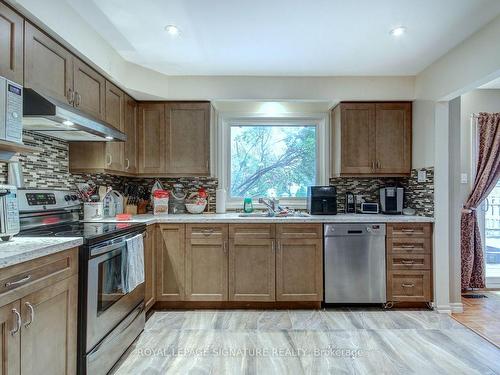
[(107, 303)]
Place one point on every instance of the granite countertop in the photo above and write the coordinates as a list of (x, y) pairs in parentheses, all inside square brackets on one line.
[(233, 218), (22, 249)]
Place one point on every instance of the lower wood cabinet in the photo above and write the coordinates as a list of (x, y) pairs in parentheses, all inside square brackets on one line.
[(170, 261), (299, 263), (150, 267), (206, 262), (252, 263), (38, 316), (409, 262)]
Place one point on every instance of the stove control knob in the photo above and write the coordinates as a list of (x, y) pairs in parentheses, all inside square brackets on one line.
[(67, 198), (74, 197)]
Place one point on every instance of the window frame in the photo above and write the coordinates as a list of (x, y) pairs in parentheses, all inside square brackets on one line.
[(223, 149)]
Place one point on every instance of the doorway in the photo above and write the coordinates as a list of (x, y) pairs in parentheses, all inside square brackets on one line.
[(490, 233)]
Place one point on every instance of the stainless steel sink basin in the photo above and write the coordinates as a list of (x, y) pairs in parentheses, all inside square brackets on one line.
[(265, 214), (254, 214)]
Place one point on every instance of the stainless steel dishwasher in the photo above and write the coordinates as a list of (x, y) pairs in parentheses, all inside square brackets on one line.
[(355, 263)]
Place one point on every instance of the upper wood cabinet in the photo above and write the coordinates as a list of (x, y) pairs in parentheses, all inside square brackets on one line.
[(11, 44), (130, 129), (89, 90), (151, 138), (174, 138), (187, 138), (371, 139), (115, 116), (48, 67)]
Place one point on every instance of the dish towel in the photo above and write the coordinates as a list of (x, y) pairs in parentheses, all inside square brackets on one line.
[(133, 263)]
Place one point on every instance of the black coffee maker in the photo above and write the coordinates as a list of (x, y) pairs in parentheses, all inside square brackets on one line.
[(322, 200)]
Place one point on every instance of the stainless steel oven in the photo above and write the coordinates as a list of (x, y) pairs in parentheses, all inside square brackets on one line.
[(114, 318)]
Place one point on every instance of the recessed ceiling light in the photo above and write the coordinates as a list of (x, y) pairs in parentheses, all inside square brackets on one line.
[(172, 30), (109, 138), (398, 31), (68, 123)]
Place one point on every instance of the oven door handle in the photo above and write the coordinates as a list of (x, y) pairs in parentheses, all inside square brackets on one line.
[(112, 246), (138, 311)]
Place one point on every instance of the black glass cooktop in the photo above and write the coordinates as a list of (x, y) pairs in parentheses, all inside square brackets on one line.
[(91, 232)]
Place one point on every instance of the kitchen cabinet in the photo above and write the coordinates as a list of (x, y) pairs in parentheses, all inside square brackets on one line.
[(43, 292), (299, 262), (151, 133), (109, 157), (89, 90), (252, 262), (371, 139), (206, 262), (187, 138), (130, 151), (10, 339), (11, 44), (150, 266), (170, 262), (409, 262), (48, 67)]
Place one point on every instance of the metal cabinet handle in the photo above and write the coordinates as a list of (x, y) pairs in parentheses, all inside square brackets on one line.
[(272, 247), (407, 262), (110, 158), (32, 314), (71, 96), (207, 232), (128, 163), (407, 230), (18, 282), (78, 99), (378, 164), (407, 285), (280, 249), (224, 247), (373, 164), (408, 246), (18, 322)]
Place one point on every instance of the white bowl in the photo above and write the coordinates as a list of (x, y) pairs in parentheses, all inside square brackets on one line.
[(195, 208)]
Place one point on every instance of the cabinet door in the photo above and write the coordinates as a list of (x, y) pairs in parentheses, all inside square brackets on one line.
[(393, 138), (131, 131), (151, 143), (11, 44), (115, 116), (170, 258), (149, 266), (90, 89), (48, 67), (48, 344), (251, 269), (299, 270), (206, 263), (10, 343), (357, 138), (188, 138)]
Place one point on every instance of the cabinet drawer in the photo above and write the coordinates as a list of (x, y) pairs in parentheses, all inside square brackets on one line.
[(255, 231), (409, 286), (401, 261), (408, 245), (24, 278), (206, 233), (301, 231), (409, 230)]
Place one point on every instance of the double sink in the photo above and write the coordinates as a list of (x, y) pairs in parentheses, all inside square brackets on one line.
[(268, 214)]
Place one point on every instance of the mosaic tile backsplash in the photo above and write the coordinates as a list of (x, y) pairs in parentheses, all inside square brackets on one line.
[(50, 169), (418, 195)]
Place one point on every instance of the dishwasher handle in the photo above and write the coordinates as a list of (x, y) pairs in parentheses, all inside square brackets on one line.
[(354, 229)]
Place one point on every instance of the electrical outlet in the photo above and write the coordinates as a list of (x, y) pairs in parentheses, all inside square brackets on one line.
[(464, 178), (422, 176)]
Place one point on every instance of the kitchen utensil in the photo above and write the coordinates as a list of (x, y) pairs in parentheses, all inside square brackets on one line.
[(15, 174), (93, 211)]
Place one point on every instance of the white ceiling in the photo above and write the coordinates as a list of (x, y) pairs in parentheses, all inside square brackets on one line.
[(285, 37)]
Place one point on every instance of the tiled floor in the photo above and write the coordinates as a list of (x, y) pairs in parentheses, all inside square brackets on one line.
[(482, 315), (341, 341)]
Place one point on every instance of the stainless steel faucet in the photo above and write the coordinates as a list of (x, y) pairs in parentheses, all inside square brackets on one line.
[(271, 205)]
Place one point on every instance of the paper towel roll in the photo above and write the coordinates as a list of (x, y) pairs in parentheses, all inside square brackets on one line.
[(220, 199)]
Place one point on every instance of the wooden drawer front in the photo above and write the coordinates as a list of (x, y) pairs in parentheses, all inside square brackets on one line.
[(409, 230), (409, 245), (255, 231), (21, 279), (300, 231), (400, 261), (409, 286), (206, 233)]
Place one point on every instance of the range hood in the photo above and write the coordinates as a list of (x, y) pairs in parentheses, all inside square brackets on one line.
[(45, 115)]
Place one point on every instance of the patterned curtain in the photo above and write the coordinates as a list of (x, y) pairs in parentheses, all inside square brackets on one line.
[(487, 174)]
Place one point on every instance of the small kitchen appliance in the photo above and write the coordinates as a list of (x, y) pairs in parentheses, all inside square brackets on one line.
[(391, 200), (9, 212), (322, 200), (369, 208), (11, 111), (350, 203)]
